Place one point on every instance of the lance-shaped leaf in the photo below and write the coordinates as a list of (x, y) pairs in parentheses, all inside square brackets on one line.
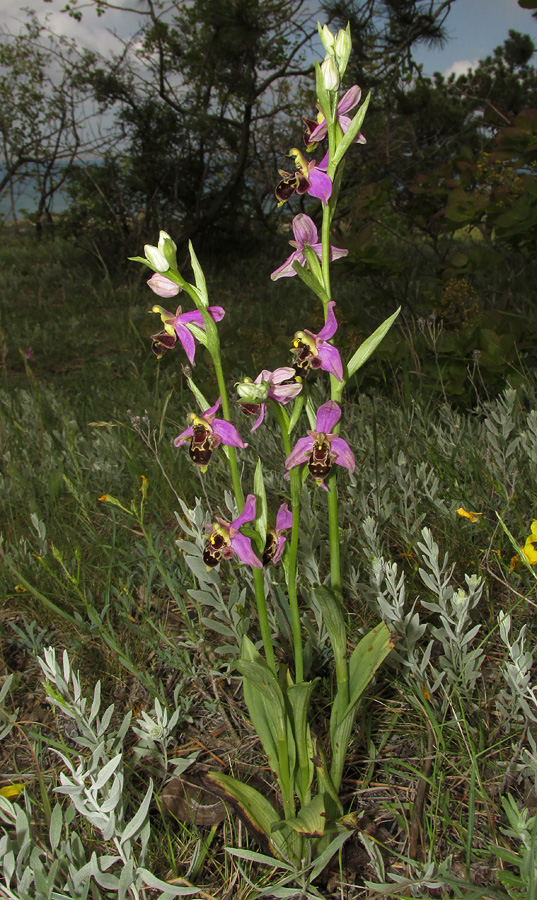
[(332, 610), (370, 344), (364, 662), (199, 276), (256, 811), (298, 696), (310, 820), (261, 519), (349, 136)]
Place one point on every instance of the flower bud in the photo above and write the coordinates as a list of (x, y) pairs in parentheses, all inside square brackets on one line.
[(162, 286), (168, 248), (327, 37), (330, 73), (156, 258), (253, 393), (343, 49)]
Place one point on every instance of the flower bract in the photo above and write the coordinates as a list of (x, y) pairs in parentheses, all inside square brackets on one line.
[(322, 448), (305, 233), (206, 433), (313, 350), (225, 539)]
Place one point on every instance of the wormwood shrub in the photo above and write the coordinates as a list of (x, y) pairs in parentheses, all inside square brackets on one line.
[(415, 788)]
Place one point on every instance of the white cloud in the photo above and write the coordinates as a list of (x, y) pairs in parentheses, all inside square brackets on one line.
[(460, 67)]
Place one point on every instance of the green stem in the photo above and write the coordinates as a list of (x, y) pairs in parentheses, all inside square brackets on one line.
[(293, 549), (213, 342)]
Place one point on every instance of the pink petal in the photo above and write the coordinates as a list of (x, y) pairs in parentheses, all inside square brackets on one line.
[(304, 230), (229, 434), (327, 416), (301, 453), (344, 455), (278, 553), (318, 133), (184, 437), (349, 100), (260, 417), (330, 327), (247, 515), (320, 185), (330, 360), (286, 270), (216, 312), (188, 342), (162, 286), (243, 548), (284, 518), (210, 413)]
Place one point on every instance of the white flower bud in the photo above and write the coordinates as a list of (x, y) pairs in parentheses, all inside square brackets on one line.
[(330, 74)]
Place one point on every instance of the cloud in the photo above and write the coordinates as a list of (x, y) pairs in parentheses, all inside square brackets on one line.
[(460, 67)]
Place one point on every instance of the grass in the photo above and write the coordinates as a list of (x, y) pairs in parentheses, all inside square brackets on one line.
[(434, 756)]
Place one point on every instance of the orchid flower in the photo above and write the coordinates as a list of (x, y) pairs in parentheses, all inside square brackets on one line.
[(317, 130), (176, 326), (206, 433), (275, 542), (225, 539), (321, 449), (305, 233), (277, 385), (313, 350), (308, 177)]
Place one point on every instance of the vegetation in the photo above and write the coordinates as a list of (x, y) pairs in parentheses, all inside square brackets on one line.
[(124, 658)]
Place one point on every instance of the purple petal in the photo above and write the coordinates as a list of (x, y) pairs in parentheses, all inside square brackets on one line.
[(330, 327), (229, 434), (188, 342), (337, 252), (260, 417), (320, 185), (243, 548), (210, 413), (284, 518), (300, 453), (184, 437), (318, 133), (304, 230), (286, 270), (216, 312), (247, 515), (162, 286), (327, 416), (344, 455), (330, 360), (349, 100), (193, 316)]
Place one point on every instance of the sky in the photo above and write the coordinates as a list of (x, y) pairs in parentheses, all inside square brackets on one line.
[(475, 28)]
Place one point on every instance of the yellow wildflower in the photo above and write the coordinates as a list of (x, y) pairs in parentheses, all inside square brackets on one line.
[(473, 516), (11, 791)]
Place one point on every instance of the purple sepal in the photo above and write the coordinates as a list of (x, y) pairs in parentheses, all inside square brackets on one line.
[(343, 453), (248, 513), (330, 360), (284, 518), (327, 416), (243, 548), (184, 437), (229, 434), (301, 453)]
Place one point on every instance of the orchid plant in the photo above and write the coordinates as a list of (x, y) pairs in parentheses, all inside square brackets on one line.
[(309, 822)]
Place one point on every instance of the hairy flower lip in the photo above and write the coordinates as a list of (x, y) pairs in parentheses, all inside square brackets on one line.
[(176, 326), (328, 416), (308, 177), (218, 431), (235, 542), (317, 352)]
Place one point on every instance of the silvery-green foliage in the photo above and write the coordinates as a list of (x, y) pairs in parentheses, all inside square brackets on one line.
[(502, 442), (96, 787), (460, 663), (155, 732), (517, 701), (528, 437), (523, 828), (227, 616), (6, 727), (30, 635), (419, 877)]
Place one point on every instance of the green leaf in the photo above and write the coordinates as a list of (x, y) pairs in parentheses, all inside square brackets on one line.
[(322, 861), (350, 134), (203, 403), (322, 94), (259, 711), (297, 409), (258, 813), (331, 608), (199, 276), (370, 345), (365, 660), (261, 520), (310, 280), (298, 696), (311, 819)]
